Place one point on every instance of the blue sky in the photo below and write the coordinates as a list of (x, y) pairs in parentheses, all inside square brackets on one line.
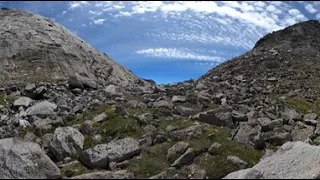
[(171, 41)]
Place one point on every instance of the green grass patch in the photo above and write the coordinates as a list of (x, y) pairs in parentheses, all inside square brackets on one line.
[(2, 99), (151, 163), (89, 115), (218, 166), (304, 105), (74, 170), (119, 126), (272, 147), (178, 123), (139, 111), (210, 106), (89, 142)]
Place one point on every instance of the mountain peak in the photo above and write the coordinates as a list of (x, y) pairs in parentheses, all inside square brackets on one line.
[(303, 34)]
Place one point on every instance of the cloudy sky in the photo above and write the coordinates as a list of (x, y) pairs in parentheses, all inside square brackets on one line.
[(170, 41)]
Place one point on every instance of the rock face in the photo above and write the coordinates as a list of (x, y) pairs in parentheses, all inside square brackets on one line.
[(25, 160), (294, 160), (33, 48)]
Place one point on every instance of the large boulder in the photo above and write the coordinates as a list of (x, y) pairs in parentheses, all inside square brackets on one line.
[(213, 118), (67, 142), (187, 133), (181, 99), (25, 160), (293, 160), (43, 108), (22, 101), (162, 104), (102, 154), (250, 135)]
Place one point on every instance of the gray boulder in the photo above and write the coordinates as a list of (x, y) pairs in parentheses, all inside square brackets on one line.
[(179, 99), (244, 174), (145, 118), (100, 117), (310, 116), (183, 111), (237, 161), (23, 101), (187, 133), (213, 118), (250, 136), (213, 148), (238, 116), (185, 158), (67, 142), (192, 171), (102, 154), (293, 160), (42, 108), (280, 137), (113, 90), (121, 174), (178, 148), (264, 122), (162, 104), (25, 160)]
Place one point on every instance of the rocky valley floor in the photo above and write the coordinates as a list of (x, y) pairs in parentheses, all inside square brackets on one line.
[(110, 133)]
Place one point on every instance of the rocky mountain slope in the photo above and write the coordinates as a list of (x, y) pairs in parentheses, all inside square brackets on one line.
[(34, 49), (90, 126)]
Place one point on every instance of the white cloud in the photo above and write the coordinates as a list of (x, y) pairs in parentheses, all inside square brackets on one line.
[(118, 7), (126, 13), (294, 12), (98, 21), (97, 13), (310, 8), (178, 54), (260, 4), (76, 4), (234, 24), (271, 8)]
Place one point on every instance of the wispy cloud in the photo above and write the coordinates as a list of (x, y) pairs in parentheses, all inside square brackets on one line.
[(178, 54), (232, 24), (310, 8), (98, 21)]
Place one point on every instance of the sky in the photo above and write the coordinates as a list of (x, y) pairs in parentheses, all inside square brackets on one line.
[(172, 41)]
